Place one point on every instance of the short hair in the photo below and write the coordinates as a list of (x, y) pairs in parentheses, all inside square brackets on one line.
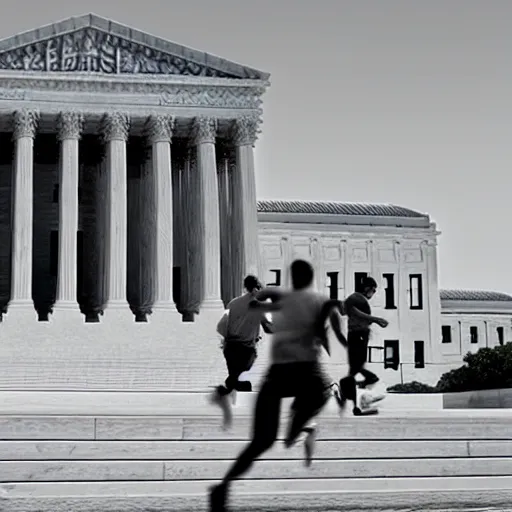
[(302, 274), (368, 282), (251, 282)]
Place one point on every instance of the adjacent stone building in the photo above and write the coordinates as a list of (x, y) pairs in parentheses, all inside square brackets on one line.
[(430, 330)]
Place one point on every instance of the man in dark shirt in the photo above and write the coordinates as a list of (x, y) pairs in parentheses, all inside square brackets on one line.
[(357, 308)]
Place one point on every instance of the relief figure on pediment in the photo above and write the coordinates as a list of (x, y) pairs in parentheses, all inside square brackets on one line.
[(90, 50)]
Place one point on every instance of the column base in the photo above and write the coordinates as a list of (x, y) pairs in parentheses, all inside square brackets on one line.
[(119, 310), (20, 312), (212, 304), (164, 306), (66, 305)]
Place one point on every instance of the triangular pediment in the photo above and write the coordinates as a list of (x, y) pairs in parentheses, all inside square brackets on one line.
[(90, 43)]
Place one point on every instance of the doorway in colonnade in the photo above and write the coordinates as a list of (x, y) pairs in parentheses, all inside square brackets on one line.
[(45, 222), (6, 182)]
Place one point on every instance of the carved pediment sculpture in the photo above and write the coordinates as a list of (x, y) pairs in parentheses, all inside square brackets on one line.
[(97, 51)]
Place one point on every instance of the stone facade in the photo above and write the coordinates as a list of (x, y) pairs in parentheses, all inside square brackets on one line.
[(110, 230), (430, 330)]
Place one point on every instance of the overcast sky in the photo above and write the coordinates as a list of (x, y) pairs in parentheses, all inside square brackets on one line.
[(399, 101)]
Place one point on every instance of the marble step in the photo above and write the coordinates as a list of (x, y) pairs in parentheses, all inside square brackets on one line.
[(83, 428), (222, 450), (319, 495), (176, 403), (155, 470)]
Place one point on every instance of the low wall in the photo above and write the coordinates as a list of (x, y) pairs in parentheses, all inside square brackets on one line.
[(486, 399)]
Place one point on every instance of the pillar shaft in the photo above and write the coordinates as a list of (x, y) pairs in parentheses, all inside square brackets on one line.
[(160, 134), (245, 241), (115, 131), (209, 224), (69, 129), (25, 124)]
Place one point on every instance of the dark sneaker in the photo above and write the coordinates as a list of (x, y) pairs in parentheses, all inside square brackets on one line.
[(368, 382), (357, 411), (218, 498), (222, 400), (244, 386)]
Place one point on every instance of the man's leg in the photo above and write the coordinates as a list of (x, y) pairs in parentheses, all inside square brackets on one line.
[(308, 403), (249, 357), (369, 377), (265, 429), (220, 396)]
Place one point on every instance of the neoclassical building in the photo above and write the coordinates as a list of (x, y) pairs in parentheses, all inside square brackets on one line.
[(114, 199), (128, 219)]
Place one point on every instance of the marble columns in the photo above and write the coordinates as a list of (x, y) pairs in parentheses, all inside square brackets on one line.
[(209, 224), (159, 130), (25, 124), (244, 218), (115, 132), (70, 125)]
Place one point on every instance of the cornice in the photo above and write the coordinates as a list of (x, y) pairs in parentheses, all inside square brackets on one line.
[(172, 90)]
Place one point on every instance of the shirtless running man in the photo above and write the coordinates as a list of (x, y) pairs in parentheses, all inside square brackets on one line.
[(295, 371)]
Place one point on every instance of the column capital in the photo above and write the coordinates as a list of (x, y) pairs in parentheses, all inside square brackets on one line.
[(245, 130), (204, 130), (70, 125), (115, 126), (159, 128), (25, 123)]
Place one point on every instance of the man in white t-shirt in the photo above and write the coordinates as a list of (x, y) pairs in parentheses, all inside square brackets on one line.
[(298, 326), (242, 333)]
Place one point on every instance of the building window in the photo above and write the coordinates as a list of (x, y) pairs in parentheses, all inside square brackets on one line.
[(419, 354), (389, 289), (391, 354), (358, 281), (501, 337), (54, 253), (415, 291), (277, 277), (333, 285), (473, 334), (446, 332)]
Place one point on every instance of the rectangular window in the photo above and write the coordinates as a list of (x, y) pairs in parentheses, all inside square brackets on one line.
[(501, 336), (391, 354), (358, 281), (415, 291), (419, 354), (277, 277), (473, 334), (54, 253), (446, 332), (389, 289), (332, 285)]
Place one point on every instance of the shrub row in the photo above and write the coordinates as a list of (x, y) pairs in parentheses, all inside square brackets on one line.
[(489, 368)]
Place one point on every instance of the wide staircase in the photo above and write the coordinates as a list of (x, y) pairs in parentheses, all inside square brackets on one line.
[(63, 453)]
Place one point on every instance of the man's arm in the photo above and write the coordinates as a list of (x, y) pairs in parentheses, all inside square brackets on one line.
[(369, 318), (265, 307), (271, 293), (266, 325), (335, 319)]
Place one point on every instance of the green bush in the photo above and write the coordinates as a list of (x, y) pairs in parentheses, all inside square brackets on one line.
[(489, 368), (411, 387)]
